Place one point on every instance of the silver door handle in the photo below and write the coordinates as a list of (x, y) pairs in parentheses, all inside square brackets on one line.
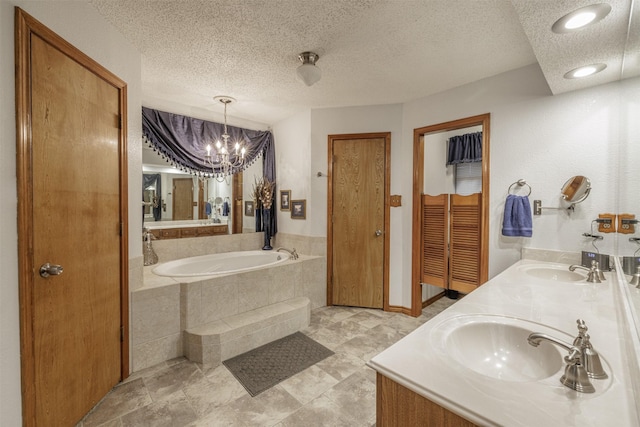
[(378, 233), (47, 270)]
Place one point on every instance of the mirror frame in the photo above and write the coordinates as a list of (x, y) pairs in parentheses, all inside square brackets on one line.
[(418, 187), (570, 184)]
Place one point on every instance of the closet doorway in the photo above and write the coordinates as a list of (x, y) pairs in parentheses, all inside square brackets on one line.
[(358, 220), (473, 211)]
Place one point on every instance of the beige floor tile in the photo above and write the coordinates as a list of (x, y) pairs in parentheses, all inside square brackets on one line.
[(338, 391), (320, 412), (173, 411), (355, 396), (340, 365), (121, 400), (308, 384), (266, 409)]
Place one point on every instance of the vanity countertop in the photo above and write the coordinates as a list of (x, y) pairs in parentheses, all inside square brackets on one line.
[(421, 362), (182, 224)]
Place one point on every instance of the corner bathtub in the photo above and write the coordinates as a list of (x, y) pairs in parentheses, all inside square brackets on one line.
[(221, 263)]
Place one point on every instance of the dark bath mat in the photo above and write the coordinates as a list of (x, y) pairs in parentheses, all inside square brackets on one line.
[(262, 368)]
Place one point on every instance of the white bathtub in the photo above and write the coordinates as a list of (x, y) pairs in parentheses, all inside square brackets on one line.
[(222, 263)]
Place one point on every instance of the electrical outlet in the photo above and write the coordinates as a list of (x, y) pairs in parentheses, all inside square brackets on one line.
[(396, 200), (627, 223), (606, 223)]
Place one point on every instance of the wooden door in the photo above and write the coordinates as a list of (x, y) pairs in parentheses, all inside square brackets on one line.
[(182, 199), (358, 213), (71, 212), (236, 208), (202, 209)]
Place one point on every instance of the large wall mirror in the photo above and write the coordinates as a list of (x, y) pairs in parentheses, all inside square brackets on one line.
[(172, 197), (450, 207)]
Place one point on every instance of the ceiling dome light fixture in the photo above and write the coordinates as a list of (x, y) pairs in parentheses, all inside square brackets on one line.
[(580, 18), (585, 71), (308, 72)]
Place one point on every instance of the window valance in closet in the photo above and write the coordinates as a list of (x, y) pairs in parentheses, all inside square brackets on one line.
[(465, 148)]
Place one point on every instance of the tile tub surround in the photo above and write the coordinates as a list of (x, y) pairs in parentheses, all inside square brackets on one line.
[(420, 363), (165, 307), (214, 342), (169, 250)]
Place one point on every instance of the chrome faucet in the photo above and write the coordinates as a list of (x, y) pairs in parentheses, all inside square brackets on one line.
[(583, 362), (293, 252), (595, 275)]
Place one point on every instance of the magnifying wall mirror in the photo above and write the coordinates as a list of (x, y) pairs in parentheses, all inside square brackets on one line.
[(576, 189)]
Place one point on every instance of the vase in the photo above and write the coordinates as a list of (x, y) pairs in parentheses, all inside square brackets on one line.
[(266, 226)]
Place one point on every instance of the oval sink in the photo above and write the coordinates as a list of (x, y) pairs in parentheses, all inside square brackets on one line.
[(554, 272), (497, 347)]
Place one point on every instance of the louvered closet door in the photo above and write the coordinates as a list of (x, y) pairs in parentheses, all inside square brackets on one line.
[(435, 212), (465, 244)]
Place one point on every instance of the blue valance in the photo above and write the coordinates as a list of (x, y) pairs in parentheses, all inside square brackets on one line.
[(183, 141), (465, 148)]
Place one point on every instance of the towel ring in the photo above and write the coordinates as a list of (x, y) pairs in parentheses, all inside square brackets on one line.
[(519, 183)]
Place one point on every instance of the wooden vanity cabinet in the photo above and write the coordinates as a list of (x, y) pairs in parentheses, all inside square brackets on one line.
[(398, 406), (184, 232)]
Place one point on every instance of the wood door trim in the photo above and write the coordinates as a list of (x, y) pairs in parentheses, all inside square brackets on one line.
[(387, 191), (25, 27), (418, 189)]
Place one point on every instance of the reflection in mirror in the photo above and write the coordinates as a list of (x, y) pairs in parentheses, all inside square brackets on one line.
[(172, 195), (576, 189)]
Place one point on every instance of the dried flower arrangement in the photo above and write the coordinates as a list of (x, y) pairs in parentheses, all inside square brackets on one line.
[(263, 191)]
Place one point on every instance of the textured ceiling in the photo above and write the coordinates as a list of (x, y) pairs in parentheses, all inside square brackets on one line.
[(371, 51), (613, 41)]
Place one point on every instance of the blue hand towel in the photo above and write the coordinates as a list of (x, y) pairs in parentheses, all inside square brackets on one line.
[(207, 208), (517, 217), (225, 208)]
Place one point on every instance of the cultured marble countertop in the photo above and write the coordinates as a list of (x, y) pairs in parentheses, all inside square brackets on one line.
[(181, 224), (422, 363)]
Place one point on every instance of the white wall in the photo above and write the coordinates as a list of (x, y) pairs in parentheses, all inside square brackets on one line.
[(80, 24), (542, 138), (293, 169)]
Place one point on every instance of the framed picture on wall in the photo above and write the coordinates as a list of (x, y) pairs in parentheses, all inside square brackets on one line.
[(248, 208), (285, 200), (299, 209)]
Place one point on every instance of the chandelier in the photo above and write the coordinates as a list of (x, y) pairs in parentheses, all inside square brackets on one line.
[(222, 161)]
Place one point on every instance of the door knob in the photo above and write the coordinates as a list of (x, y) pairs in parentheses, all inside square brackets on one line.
[(378, 233), (47, 270)]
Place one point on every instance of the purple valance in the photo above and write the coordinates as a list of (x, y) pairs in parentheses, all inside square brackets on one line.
[(465, 148), (183, 141)]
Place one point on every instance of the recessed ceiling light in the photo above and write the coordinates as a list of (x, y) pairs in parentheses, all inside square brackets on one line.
[(585, 71), (579, 18)]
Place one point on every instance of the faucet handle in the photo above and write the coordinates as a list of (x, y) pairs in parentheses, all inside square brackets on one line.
[(575, 375), (582, 327), (590, 358)]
